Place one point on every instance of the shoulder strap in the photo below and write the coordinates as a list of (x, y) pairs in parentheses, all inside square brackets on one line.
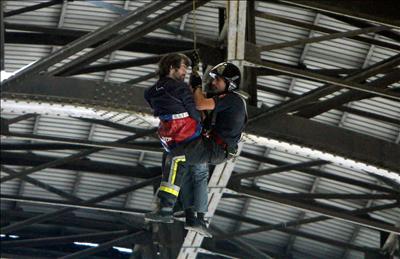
[(245, 106)]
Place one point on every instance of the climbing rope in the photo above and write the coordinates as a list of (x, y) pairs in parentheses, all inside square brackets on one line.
[(195, 54), (194, 26)]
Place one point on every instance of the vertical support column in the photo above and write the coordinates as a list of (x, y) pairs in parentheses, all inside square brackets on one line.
[(236, 30), (2, 58), (249, 73), (241, 27)]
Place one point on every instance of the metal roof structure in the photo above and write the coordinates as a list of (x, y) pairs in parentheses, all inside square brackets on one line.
[(318, 173)]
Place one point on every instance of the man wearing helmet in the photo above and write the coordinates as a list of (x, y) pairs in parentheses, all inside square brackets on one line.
[(226, 122), (218, 143)]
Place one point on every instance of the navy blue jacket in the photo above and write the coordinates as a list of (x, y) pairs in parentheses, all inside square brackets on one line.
[(231, 118), (168, 96)]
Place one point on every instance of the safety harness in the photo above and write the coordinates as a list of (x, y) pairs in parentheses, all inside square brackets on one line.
[(210, 133)]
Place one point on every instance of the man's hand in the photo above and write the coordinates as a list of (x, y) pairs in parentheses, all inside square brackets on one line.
[(195, 81)]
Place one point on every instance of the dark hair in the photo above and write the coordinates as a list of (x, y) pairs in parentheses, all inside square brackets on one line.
[(171, 60)]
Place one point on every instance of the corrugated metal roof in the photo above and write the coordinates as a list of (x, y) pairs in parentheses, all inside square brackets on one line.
[(61, 179), (48, 16), (92, 185)]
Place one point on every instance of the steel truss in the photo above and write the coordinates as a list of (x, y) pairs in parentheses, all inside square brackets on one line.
[(272, 123)]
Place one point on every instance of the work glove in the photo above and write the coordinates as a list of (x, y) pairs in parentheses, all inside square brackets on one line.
[(195, 81)]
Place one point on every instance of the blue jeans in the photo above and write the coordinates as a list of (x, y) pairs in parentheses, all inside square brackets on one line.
[(194, 192)]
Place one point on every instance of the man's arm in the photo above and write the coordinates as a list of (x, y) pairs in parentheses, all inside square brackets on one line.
[(202, 103)]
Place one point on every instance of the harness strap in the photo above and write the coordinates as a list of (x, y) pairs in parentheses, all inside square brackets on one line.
[(169, 117)]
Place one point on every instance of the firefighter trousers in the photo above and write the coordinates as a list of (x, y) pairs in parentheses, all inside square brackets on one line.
[(176, 164)]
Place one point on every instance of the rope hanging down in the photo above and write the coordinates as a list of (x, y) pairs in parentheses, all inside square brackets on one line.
[(195, 54), (194, 26)]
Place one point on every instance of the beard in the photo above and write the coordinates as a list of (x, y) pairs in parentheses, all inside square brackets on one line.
[(178, 77)]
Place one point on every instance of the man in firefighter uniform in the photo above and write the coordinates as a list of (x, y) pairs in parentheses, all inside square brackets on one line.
[(216, 145)]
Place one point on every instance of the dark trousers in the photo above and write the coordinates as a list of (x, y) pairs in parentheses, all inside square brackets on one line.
[(177, 162)]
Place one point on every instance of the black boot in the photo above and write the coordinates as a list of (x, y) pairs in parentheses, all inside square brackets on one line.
[(190, 218), (199, 224), (162, 215)]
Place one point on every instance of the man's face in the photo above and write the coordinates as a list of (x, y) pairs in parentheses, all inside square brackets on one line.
[(218, 84), (178, 73)]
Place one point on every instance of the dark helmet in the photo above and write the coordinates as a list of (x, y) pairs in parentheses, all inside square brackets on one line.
[(229, 72)]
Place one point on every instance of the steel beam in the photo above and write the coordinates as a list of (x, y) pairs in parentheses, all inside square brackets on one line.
[(123, 64), (4, 126), (283, 227), (87, 143), (85, 165), (391, 243), (154, 45), (50, 215), (316, 207), (313, 27), (244, 246), (228, 249), (247, 201), (312, 196), (370, 115), (354, 235), (342, 108), (42, 185), (349, 82), (85, 41), (29, 253), (368, 11), (179, 31), (20, 118), (2, 34), (340, 141), (104, 246), (61, 193), (313, 95), (302, 214), (80, 204), (50, 241), (319, 173), (58, 146), (337, 72), (332, 36), (324, 106), (141, 78), (291, 129), (249, 74), (127, 37), (32, 8), (114, 125), (297, 222), (362, 24), (70, 158), (68, 220), (278, 169), (333, 242)]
